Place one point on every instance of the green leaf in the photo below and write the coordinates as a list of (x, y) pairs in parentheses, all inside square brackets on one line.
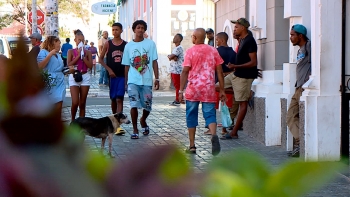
[(223, 183), (248, 165), (174, 167), (98, 166), (297, 178)]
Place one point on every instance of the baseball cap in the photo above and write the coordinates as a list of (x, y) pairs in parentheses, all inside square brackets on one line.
[(209, 30), (301, 29), (36, 36), (242, 21)]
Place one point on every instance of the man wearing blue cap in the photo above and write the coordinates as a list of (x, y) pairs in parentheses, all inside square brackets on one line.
[(303, 71)]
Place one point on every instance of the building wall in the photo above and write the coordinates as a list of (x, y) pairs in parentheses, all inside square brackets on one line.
[(167, 18), (271, 31)]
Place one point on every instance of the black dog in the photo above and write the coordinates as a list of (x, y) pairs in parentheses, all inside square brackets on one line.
[(102, 127)]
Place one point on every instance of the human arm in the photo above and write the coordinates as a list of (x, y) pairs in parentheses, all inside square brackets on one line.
[(221, 83), (42, 64), (253, 62), (103, 63), (156, 74), (71, 61), (172, 57), (126, 72), (87, 58), (183, 80)]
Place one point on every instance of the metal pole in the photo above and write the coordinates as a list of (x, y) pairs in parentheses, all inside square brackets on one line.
[(51, 18), (345, 95), (34, 18), (26, 17)]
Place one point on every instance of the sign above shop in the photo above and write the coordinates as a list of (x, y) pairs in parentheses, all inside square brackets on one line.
[(104, 8)]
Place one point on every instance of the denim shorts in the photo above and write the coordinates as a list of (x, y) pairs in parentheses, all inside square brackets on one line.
[(140, 96), (208, 109)]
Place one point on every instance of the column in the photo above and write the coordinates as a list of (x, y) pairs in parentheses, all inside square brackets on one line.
[(320, 102)]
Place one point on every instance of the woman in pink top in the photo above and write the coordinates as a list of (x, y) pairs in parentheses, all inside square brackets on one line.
[(81, 61)]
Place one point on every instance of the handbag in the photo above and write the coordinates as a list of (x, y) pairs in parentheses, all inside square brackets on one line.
[(225, 115), (78, 77)]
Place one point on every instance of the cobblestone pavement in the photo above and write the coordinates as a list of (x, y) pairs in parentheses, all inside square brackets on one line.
[(167, 125)]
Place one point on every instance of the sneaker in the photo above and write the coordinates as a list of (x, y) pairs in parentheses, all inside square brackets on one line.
[(175, 103), (216, 148), (120, 131), (295, 152)]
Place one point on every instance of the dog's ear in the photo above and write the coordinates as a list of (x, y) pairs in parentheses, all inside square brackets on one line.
[(119, 115)]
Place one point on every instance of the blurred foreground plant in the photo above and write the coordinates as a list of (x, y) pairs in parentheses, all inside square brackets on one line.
[(246, 174)]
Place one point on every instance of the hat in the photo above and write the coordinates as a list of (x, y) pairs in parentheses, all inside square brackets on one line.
[(209, 30), (36, 36), (242, 21), (301, 29)]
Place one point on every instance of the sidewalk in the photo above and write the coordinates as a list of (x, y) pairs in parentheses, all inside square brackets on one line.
[(168, 126)]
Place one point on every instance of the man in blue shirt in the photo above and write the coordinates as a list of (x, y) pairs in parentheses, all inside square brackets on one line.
[(65, 47)]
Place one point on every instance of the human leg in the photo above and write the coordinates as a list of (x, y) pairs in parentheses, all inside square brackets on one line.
[(242, 89), (74, 92), (293, 115), (192, 122), (176, 81), (146, 97), (134, 98), (84, 90)]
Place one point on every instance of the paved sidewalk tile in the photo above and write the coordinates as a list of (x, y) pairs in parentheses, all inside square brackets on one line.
[(168, 126)]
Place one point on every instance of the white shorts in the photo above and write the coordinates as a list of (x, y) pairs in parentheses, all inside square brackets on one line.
[(85, 82)]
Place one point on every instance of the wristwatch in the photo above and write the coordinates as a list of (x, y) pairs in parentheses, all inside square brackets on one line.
[(157, 79), (181, 91)]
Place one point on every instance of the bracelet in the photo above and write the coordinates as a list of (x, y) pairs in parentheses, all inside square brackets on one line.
[(157, 79), (181, 91)]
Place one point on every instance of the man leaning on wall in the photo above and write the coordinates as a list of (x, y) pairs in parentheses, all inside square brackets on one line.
[(303, 71)]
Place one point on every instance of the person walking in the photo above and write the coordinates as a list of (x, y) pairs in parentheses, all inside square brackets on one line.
[(245, 71), (50, 61), (298, 37), (103, 81), (140, 60), (80, 60), (113, 51), (201, 62), (176, 59), (65, 47), (94, 54)]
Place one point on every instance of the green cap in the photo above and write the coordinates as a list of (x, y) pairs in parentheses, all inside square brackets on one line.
[(242, 21)]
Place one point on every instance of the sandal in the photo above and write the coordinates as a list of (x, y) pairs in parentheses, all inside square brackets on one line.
[(228, 137), (207, 132), (134, 136), (191, 150), (145, 130)]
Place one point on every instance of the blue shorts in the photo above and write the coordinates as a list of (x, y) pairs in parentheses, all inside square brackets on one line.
[(116, 88), (140, 96), (208, 109)]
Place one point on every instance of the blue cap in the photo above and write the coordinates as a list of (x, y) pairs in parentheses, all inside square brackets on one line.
[(301, 29)]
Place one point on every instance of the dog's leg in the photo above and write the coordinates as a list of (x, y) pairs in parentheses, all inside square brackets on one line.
[(110, 140), (103, 144)]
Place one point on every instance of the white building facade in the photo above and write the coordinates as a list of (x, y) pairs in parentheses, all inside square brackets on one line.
[(164, 19), (320, 105)]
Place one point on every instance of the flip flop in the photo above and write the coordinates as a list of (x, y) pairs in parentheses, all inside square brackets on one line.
[(216, 148), (228, 137), (207, 132), (145, 130), (134, 136), (191, 150)]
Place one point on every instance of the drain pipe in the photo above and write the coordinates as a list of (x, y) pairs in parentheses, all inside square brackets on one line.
[(345, 95)]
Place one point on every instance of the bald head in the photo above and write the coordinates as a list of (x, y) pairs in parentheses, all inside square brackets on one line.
[(198, 36)]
